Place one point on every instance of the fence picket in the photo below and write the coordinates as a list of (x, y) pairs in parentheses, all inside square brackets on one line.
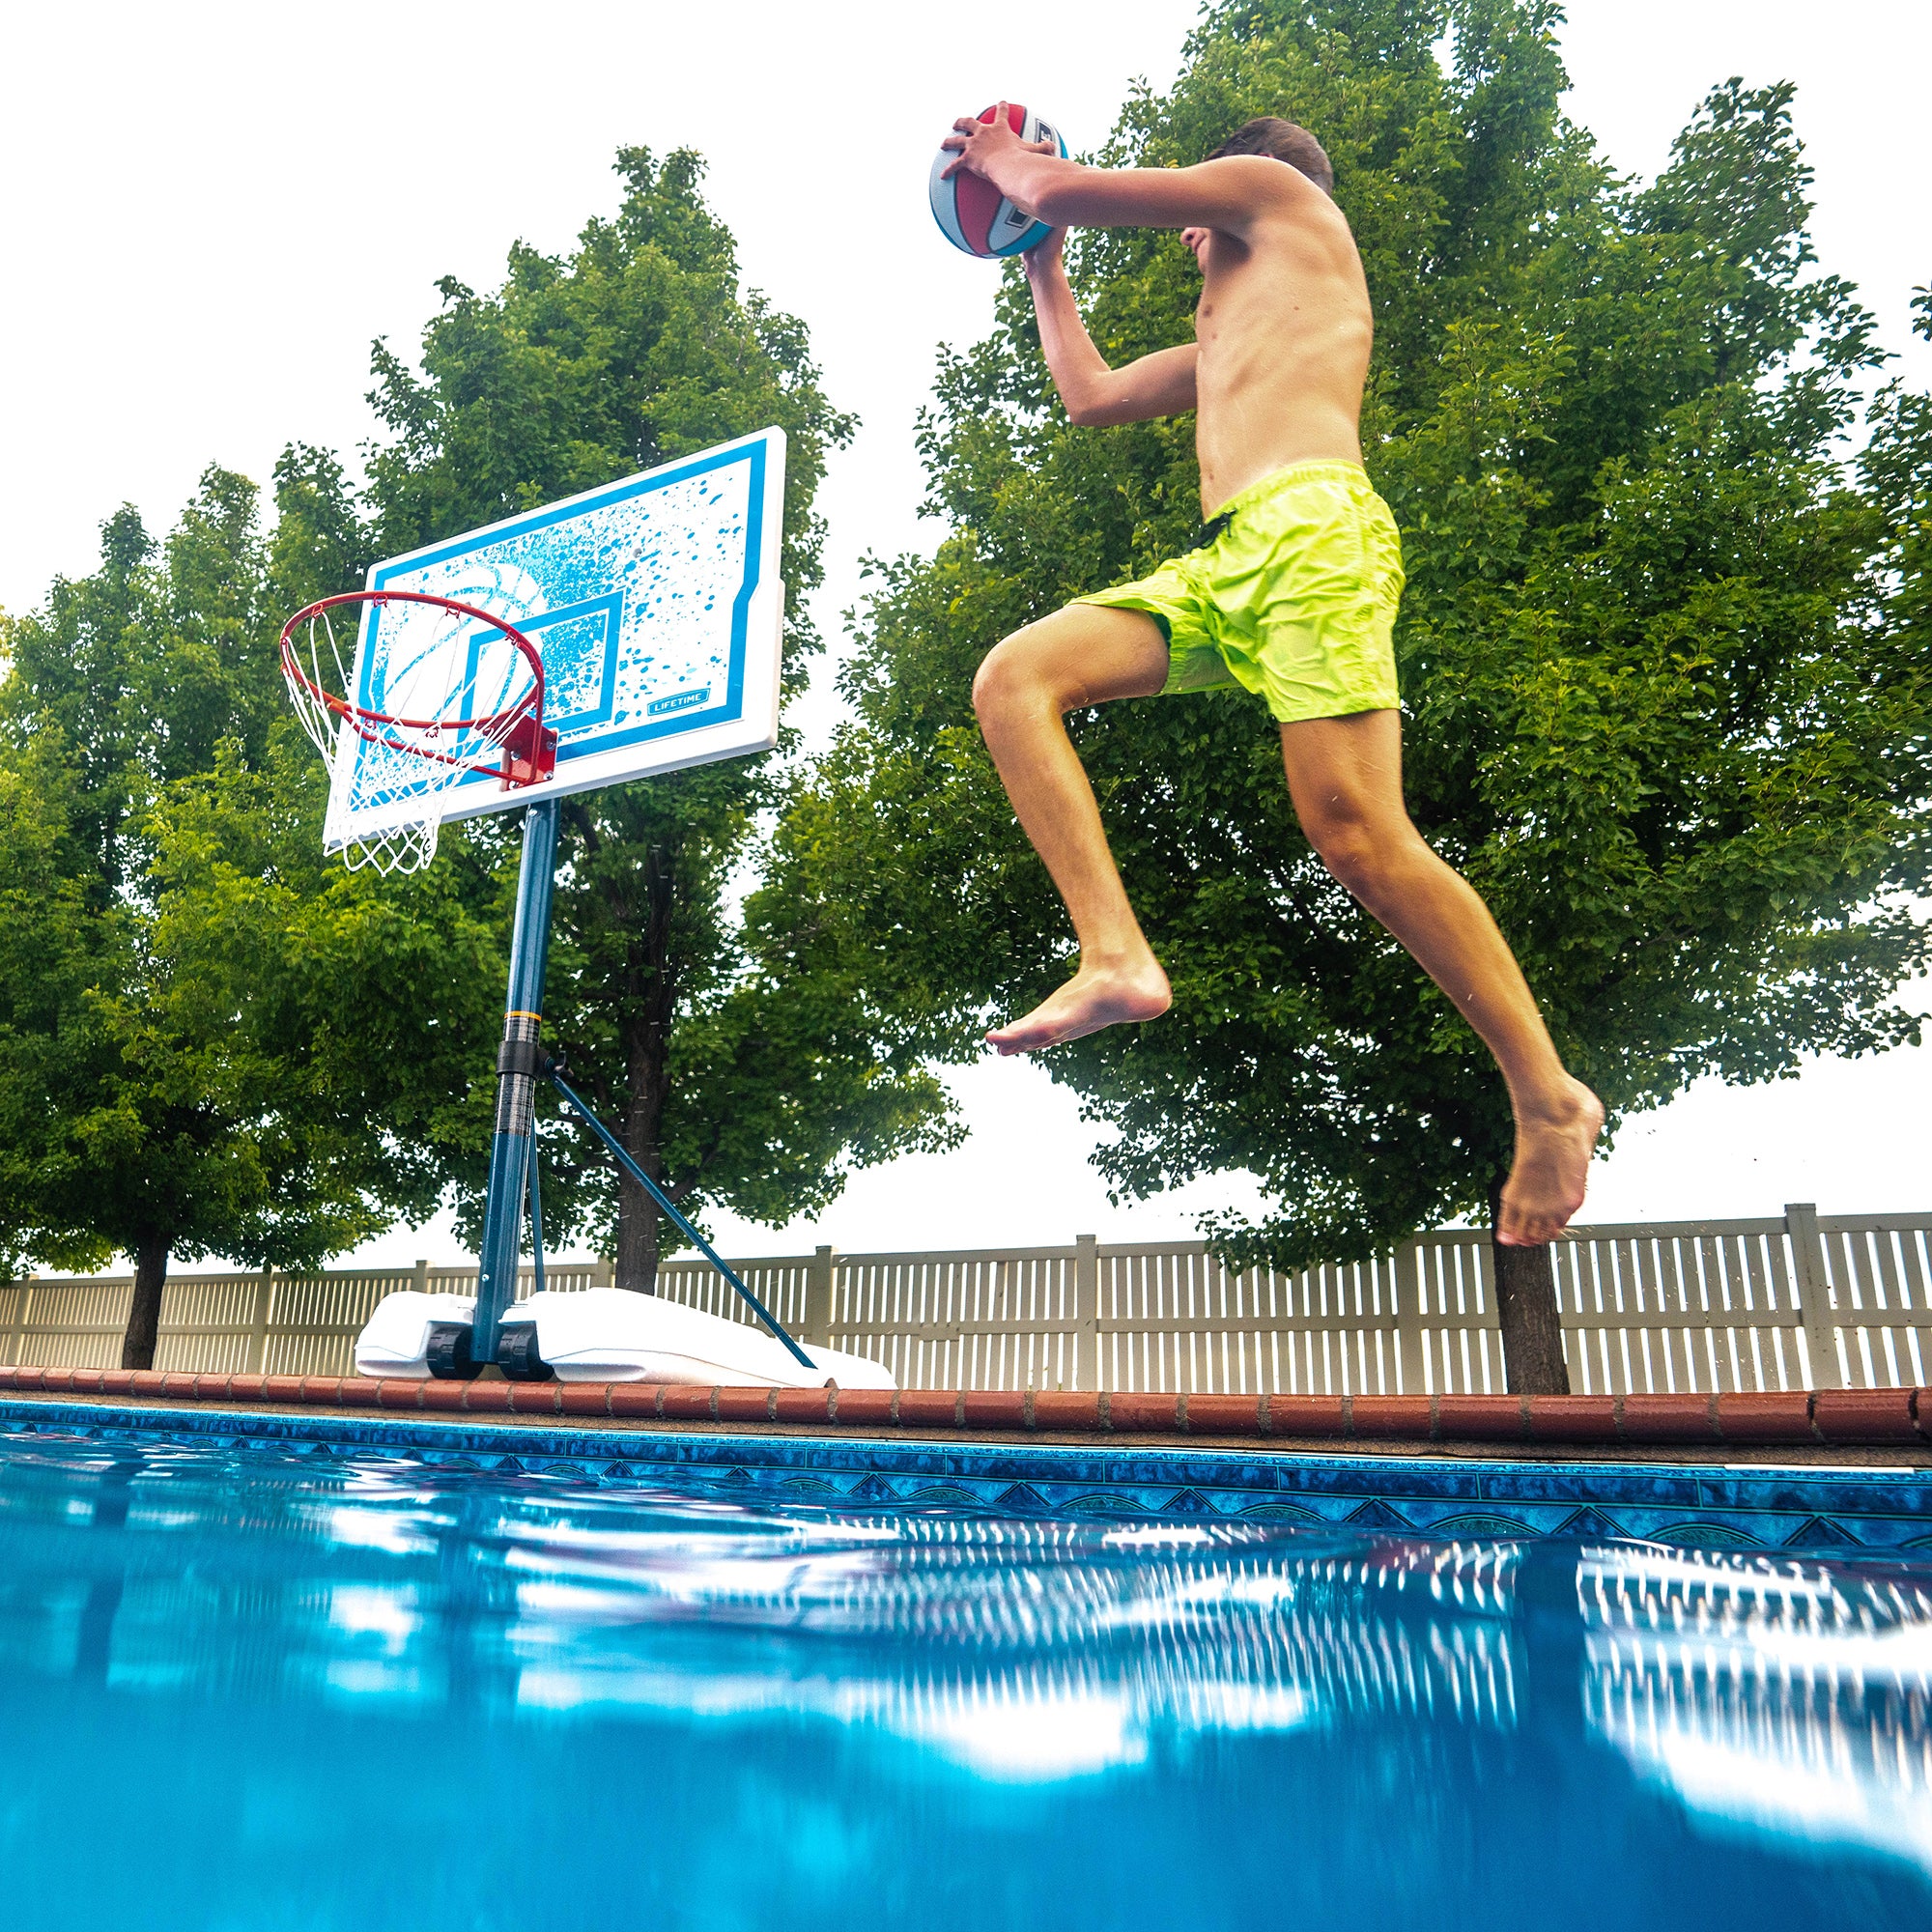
[(1916, 1294)]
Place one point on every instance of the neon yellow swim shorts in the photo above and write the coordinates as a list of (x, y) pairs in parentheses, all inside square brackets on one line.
[(1293, 596)]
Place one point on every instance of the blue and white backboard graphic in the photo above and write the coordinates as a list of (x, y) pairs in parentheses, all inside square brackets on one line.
[(655, 604)]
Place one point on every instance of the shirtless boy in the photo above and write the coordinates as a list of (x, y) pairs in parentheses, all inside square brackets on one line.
[(1292, 599)]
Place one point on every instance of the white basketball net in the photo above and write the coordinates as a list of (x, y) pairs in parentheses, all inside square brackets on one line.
[(448, 708)]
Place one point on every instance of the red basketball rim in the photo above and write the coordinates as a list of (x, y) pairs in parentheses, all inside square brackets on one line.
[(529, 705)]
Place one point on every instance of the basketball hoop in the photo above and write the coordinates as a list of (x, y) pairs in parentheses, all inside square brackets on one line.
[(464, 695)]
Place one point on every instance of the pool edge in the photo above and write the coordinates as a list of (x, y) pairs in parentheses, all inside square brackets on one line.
[(1880, 1506), (1801, 1428)]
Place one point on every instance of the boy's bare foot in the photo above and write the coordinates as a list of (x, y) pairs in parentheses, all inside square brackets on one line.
[(1095, 997), (1552, 1159)]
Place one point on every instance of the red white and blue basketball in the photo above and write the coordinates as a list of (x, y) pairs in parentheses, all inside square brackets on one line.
[(971, 213)]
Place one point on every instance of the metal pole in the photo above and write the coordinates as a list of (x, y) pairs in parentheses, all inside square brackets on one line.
[(518, 1063)]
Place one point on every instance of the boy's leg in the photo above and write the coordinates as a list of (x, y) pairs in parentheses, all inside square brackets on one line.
[(1081, 655), (1345, 776)]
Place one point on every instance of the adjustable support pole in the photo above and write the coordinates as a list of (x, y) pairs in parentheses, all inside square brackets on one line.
[(518, 1064)]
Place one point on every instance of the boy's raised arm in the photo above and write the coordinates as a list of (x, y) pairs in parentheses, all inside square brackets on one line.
[(1226, 194), (1161, 385)]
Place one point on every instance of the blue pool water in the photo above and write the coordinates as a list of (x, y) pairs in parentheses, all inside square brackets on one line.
[(248, 1685)]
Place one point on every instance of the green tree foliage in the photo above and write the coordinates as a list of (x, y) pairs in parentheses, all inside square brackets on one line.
[(733, 1053), (1664, 649), (213, 1039), (183, 1071)]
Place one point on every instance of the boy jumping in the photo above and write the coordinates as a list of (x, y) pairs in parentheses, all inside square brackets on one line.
[(1293, 598)]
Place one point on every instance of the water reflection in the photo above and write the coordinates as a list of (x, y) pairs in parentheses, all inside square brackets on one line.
[(94, 1638), (1791, 1696), (1020, 1648), (1500, 1699)]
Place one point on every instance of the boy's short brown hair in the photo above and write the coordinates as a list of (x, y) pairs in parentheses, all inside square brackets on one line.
[(1270, 134)]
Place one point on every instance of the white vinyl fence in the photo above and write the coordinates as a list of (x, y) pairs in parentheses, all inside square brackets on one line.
[(1802, 1301)]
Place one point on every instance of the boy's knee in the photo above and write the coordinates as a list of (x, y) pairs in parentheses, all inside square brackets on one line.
[(1005, 679), (1363, 856), (1351, 853), (991, 681)]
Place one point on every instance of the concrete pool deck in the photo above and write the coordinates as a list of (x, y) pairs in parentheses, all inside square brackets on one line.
[(1869, 1427)]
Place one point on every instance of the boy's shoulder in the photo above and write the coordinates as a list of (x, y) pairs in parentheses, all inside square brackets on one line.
[(1274, 188)]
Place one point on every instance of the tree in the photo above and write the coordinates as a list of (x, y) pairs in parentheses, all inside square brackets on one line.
[(183, 1071), (215, 1041), (735, 1053), (1664, 651)]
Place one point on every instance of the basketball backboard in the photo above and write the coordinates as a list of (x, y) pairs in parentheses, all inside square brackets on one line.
[(654, 602)]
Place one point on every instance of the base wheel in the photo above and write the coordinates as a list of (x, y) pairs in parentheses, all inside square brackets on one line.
[(516, 1354), (449, 1357)]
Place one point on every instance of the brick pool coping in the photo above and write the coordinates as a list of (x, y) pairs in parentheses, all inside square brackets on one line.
[(1822, 1419)]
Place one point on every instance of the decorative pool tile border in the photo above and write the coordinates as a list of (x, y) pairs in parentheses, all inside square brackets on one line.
[(1832, 1417), (1810, 1507)]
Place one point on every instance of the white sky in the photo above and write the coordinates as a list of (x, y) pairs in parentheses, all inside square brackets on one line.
[(209, 209)]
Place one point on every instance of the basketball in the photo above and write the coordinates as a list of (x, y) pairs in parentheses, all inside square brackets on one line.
[(972, 213)]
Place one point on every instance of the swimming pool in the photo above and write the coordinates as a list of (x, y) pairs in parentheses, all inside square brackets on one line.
[(264, 1682)]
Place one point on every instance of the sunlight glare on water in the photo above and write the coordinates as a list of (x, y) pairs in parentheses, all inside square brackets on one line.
[(256, 1688)]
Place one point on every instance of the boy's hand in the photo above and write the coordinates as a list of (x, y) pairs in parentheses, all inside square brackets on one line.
[(979, 144)]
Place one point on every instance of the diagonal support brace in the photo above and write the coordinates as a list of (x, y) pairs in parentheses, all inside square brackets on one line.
[(677, 1220)]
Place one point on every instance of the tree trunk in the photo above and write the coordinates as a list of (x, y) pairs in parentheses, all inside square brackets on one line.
[(1528, 1313), (143, 1317), (638, 1218), (651, 986)]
